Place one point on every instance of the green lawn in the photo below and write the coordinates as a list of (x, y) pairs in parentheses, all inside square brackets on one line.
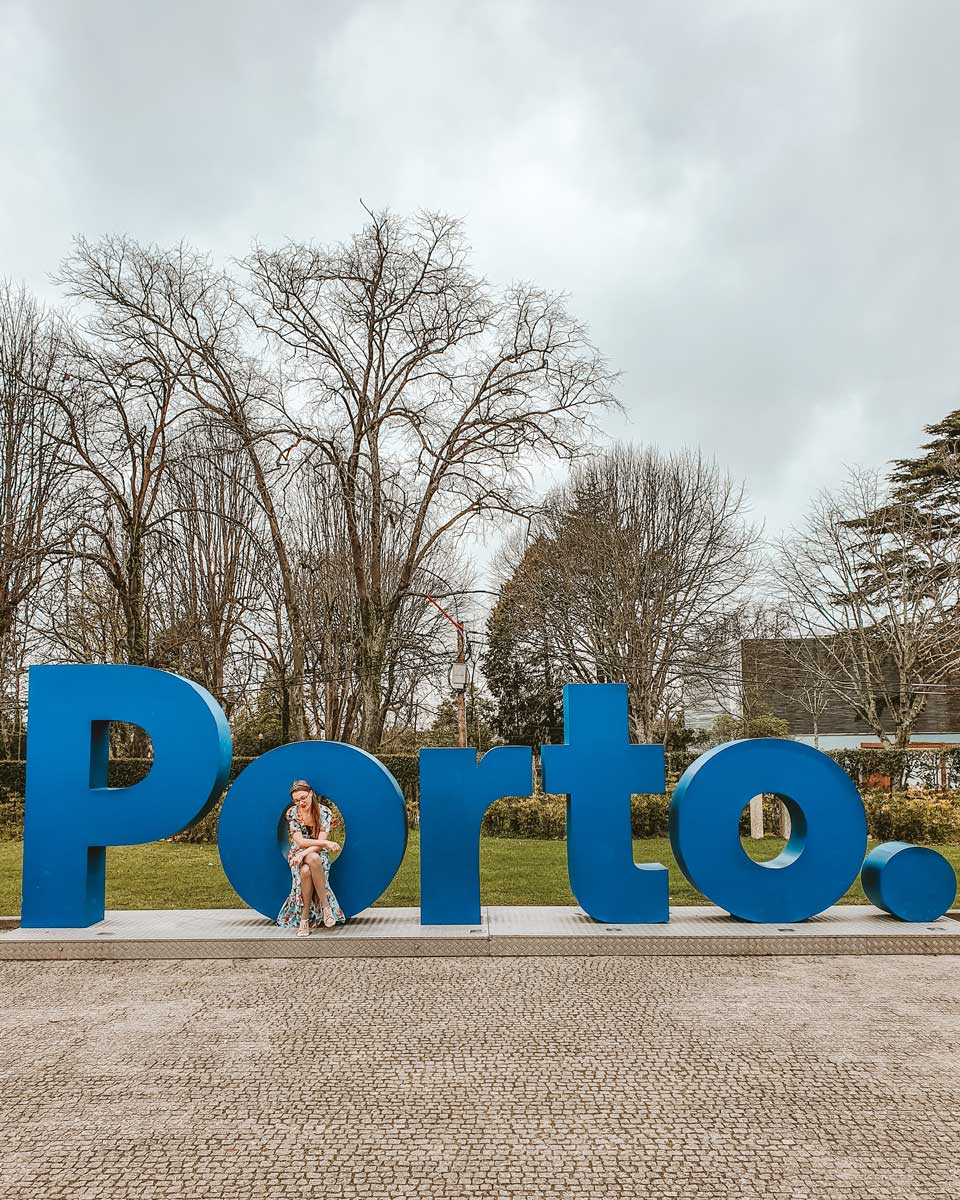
[(512, 871)]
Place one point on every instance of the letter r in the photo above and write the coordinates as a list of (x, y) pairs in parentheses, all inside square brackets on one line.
[(455, 792)]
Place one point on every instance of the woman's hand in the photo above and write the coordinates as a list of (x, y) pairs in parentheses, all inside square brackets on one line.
[(332, 845)]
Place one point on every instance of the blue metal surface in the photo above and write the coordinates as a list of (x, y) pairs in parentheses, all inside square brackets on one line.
[(909, 882), (252, 835), (455, 792), (71, 816), (828, 829), (599, 769)]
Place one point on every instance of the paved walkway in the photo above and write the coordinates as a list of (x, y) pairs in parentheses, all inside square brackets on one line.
[(535, 1077)]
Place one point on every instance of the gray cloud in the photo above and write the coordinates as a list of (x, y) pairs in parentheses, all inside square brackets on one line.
[(754, 206)]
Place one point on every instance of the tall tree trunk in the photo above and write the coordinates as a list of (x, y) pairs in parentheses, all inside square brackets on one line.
[(904, 730), (373, 655), (293, 682), (136, 633), (284, 709)]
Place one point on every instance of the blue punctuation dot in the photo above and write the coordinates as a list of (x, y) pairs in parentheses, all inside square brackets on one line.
[(913, 883)]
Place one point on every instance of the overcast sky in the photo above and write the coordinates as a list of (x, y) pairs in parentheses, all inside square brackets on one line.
[(755, 206)]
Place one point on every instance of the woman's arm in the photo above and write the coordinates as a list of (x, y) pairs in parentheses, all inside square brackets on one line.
[(300, 839), (304, 843)]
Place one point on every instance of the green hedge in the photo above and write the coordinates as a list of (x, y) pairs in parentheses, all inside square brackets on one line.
[(916, 816), (545, 816), (905, 768), (921, 814), (125, 771)]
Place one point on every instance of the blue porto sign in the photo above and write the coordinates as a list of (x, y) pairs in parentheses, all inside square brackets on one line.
[(71, 814)]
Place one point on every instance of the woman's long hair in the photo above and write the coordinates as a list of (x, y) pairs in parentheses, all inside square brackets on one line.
[(301, 785)]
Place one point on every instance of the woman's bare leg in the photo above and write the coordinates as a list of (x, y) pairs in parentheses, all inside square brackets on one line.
[(315, 863), (306, 892)]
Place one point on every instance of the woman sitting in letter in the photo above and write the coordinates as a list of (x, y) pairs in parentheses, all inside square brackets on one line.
[(311, 898)]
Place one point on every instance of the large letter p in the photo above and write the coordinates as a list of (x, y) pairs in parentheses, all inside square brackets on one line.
[(71, 816)]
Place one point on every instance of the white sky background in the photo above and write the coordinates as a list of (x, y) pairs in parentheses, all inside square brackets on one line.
[(754, 205)]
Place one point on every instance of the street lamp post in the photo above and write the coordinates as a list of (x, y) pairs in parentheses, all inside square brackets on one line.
[(458, 675)]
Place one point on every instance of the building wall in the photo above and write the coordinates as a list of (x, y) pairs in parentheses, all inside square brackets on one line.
[(773, 684)]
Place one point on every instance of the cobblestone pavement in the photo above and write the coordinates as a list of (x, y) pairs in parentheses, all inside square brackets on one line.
[(535, 1077)]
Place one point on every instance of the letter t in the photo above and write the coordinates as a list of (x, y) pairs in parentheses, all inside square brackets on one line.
[(599, 769)]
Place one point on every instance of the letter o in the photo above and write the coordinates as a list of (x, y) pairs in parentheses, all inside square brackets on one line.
[(828, 835), (253, 842)]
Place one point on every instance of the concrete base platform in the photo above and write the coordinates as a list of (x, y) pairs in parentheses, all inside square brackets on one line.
[(502, 931)]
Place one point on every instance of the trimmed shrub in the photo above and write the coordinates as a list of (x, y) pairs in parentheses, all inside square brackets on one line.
[(916, 816), (538, 816), (676, 762), (650, 816), (921, 814), (403, 767), (545, 816), (901, 769), (406, 771), (122, 772)]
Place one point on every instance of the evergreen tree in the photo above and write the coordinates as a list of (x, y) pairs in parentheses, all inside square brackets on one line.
[(521, 673), (481, 721), (931, 480)]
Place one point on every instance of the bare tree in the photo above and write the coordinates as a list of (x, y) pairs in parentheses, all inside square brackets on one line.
[(265, 645), (32, 480), (320, 548), (318, 531), (175, 306), (872, 587), (641, 564), (119, 418), (812, 696), (77, 616), (211, 546), (424, 396), (428, 395)]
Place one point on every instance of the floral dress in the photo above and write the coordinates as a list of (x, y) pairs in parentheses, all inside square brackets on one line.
[(292, 909)]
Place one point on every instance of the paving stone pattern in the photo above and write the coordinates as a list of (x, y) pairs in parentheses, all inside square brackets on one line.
[(553, 1077)]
